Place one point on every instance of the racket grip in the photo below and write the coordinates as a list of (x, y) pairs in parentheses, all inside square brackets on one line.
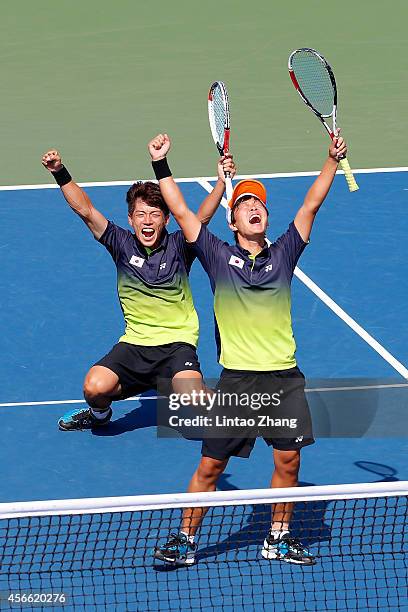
[(228, 187), (228, 193), (351, 181)]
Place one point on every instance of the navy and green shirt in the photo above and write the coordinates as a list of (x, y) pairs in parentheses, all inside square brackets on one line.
[(252, 301), (154, 291)]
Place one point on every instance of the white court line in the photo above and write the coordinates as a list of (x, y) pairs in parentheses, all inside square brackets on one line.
[(156, 397), (205, 184), (204, 178), (360, 331), (357, 388), (75, 401)]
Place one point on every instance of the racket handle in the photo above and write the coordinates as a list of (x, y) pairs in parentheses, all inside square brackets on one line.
[(228, 193), (351, 181), (228, 187)]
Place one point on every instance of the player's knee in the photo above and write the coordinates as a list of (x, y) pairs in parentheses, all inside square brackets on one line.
[(210, 470), (188, 383), (287, 463), (95, 387)]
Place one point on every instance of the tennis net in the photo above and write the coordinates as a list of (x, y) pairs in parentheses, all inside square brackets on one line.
[(97, 553)]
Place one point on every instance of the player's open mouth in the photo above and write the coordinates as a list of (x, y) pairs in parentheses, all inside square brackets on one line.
[(148, 232), (255, 218)]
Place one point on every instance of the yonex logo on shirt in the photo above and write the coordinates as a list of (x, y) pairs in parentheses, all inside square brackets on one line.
[(236, 261), (188, 363), (136, 261)]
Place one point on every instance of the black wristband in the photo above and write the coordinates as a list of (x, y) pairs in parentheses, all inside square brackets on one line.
[(62, 176), (161, 168)]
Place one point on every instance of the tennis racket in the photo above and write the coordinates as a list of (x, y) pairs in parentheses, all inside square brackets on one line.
[(219, 117), (314, 80)]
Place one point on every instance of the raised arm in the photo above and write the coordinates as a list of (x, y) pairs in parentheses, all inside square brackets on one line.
[(76, 197), (189, 223), (318, 191), (209, 206)]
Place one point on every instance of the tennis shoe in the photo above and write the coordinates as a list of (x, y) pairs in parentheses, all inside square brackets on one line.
[(286, 549), (177, 550), (82, 418)]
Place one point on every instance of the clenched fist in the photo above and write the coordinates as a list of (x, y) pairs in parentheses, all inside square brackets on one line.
[(52, 161), (159, 147)]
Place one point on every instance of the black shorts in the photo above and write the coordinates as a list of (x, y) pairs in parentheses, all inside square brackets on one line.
[(140, 367), (293, 404)]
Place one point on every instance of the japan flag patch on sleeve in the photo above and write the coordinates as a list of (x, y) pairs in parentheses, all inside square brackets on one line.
[(236, 261), (136, 261)]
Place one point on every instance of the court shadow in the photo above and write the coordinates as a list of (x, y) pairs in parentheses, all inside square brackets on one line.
[(243, 542), (307, 524), (224, 484), (387, 472), (139, 418), (146, 415)]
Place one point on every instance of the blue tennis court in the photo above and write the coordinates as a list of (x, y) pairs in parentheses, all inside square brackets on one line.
[(61, 314)]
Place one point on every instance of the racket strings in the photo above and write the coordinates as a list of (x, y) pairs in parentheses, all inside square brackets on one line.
[(314, 81), (219, 115)]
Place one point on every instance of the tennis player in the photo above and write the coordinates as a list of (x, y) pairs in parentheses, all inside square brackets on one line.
[(153, 265), (251, 282)]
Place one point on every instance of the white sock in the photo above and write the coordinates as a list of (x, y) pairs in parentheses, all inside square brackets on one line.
[(278, 534), (190, 538), (98, 414)]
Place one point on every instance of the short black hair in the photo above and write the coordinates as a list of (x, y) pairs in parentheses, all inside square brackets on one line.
[(148, 192)]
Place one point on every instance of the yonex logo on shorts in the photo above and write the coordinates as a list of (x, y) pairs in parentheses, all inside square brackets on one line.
[(268, 268), (236, 261), (136, 261), (162, 266)]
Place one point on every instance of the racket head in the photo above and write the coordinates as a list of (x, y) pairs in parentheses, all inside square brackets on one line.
[(219, 116), (314, 80)]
